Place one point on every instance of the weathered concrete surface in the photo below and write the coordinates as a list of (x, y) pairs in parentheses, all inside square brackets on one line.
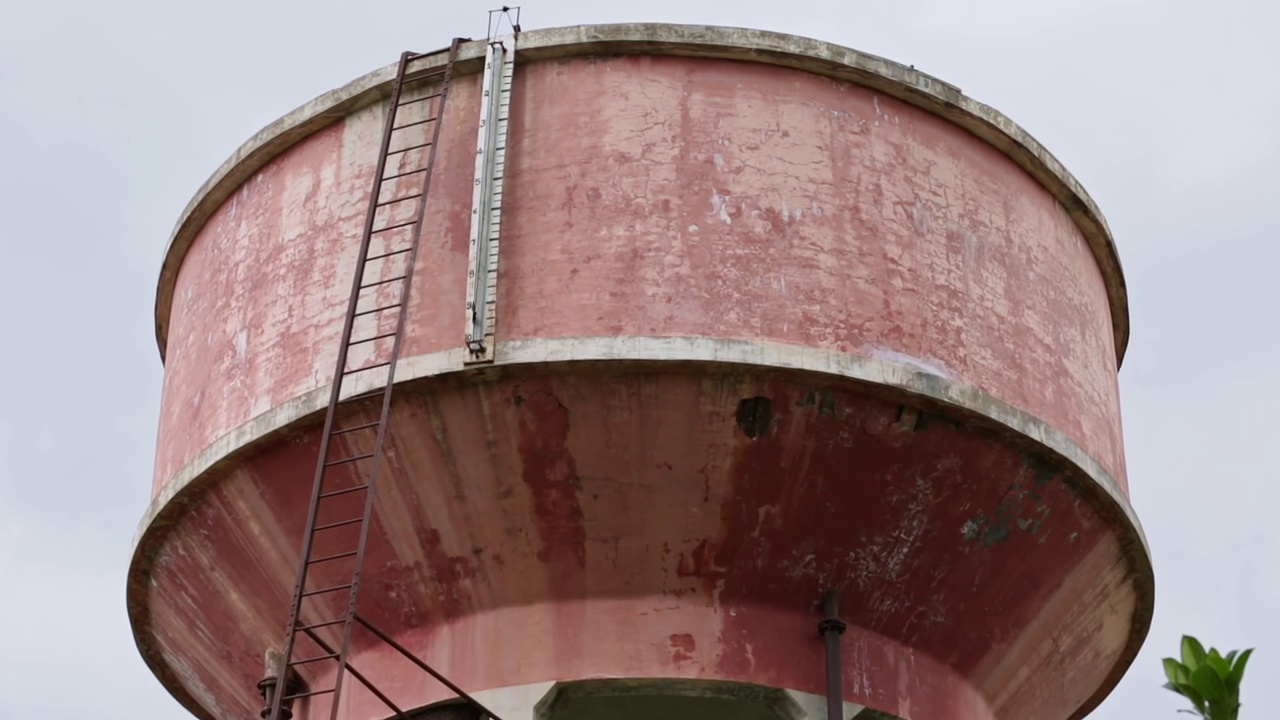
[(756, 46), (647, 195), (634, 349), (683, 234), (983, 579)]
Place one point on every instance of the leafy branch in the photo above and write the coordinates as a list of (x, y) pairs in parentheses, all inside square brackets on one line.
[(1209, 680)]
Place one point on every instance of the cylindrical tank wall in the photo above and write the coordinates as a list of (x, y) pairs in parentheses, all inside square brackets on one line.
[(648, 195), (680, 235)]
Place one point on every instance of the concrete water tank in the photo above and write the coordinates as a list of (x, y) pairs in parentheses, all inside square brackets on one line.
[(773, 317)]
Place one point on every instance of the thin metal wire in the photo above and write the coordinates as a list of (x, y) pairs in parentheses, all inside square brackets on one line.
[(502, 13)]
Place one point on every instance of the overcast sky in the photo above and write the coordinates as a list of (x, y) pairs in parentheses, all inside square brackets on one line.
[(113, 113)]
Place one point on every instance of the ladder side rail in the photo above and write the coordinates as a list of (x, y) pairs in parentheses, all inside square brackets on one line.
[(397, 343)]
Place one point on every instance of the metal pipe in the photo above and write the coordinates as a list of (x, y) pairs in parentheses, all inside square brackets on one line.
[(270, 685), (831, 627)]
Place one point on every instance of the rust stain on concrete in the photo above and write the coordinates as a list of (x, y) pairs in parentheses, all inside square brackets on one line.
[(551, 474), (682, 647)]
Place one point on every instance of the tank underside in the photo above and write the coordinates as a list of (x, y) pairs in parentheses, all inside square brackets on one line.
[(596, 519)]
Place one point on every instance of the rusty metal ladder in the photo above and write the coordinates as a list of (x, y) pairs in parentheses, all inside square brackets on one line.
[(375, 318)]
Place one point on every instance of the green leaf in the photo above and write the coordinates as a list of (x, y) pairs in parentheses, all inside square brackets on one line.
[(1208, 683), (1231, 656), (1219, 665), (1188, 692), (1176, 671), (1192, 653), (1218, 710), (1237, 670)]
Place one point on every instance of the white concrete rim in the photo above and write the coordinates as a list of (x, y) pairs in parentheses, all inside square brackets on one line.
[(771, 355), (893, 79)]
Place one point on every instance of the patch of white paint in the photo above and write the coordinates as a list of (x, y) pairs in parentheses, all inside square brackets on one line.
[(718, 159), (921, 218), (931, 367), (720, 207)]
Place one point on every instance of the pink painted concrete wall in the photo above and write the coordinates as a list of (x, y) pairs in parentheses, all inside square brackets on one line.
[(668, 197)]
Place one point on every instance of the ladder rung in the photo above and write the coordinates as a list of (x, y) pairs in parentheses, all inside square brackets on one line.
[(397, 226), (332, 525), (364, 395), (414, 123), (344, 461), (377, 309), (370, 339), (417, 75), (398, 200), (424, 98), (388, 254), (344, 431), (362, 369), (318, 658), (327, 623), (327, 558), (431, 70), (306, 694), (322, 591), (343, 491), (406, 173), (407, 149), (383, 282)]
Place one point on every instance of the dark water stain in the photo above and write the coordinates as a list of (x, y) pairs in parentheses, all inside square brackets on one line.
[(446, 571), (754, 415), (551, 474), (682, 647)]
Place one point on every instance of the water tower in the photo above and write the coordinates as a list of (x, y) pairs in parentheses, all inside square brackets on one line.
[(733, 372)]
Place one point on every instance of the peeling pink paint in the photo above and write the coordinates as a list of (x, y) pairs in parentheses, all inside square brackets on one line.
[(929, 242)]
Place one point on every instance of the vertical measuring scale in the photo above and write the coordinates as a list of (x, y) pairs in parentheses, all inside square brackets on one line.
[(486, 199)]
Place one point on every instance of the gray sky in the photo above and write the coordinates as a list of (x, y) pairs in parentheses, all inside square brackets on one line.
[(113, 113)]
